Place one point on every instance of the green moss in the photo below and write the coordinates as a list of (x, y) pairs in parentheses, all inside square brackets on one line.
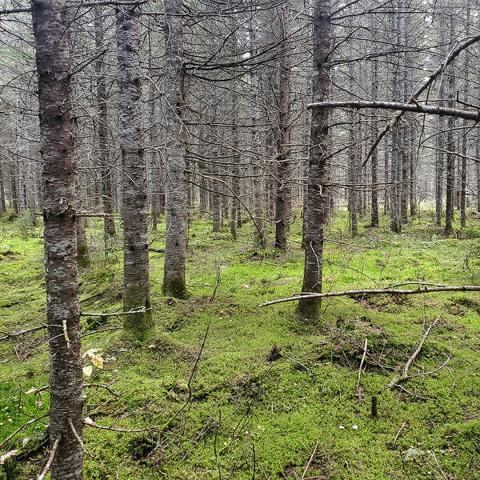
[(240, 401)]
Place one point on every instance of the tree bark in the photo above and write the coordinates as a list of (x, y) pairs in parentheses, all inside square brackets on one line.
[(63, 312), (283, 198), (102, 122), (176, 201), (3, 202), (451, 144), (317, 204), (374, 166), (136, 288)]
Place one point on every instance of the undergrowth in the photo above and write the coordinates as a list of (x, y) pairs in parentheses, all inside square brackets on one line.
[(270, 396)]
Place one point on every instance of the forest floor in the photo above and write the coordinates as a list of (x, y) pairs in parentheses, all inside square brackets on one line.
[(244, 409)]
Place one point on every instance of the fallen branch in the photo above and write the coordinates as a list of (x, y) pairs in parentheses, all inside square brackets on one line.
[(378, 291), (21, 332), (22, 427), (53, 451), (401, 378), (404, 424), (114, 314), (90, 423)]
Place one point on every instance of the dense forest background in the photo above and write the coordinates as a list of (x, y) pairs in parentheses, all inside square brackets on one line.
[(239, 239)]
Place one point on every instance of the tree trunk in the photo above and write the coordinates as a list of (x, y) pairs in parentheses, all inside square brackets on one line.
[(283, 198), (317, 204), (102, 122), (3, 202), (176, 201), (136, 288), (374, 159), (450, 146), (63, 311)]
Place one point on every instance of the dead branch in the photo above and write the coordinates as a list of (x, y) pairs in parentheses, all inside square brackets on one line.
[(90, 423), (310, 460), (114, 314), (218, 278), (473, 115), (420, 89), (19, 333), (404, 424), (361, 367), (53, 451), (377, 291), (78, 438), (401, 378), (22, 427)]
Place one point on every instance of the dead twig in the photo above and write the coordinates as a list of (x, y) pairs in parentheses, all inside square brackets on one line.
[(78, 437), (404, 424), (53, 451), (310, 460), (22, 427), (361, 367), (19, 333), (401, 378), (217, 281)]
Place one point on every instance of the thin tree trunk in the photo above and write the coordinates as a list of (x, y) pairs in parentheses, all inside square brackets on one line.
[(258, 181), (176, 201), (451, 146), (102, 122), (374, 166), (136, 287), (63, 312), (3, 202), (463, 172), (316, 214), (284, 193)]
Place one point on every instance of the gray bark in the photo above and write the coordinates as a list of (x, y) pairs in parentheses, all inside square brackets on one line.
[(316, 214), (176, 201), (63, 313), (136, 288)]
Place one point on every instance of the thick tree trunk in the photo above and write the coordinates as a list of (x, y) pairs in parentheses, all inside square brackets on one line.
[(176, 201), (102, 122), (317, 204), (63, 312), (136, 288)]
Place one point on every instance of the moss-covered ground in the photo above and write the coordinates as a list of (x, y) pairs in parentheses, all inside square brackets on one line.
[(270, 397)]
